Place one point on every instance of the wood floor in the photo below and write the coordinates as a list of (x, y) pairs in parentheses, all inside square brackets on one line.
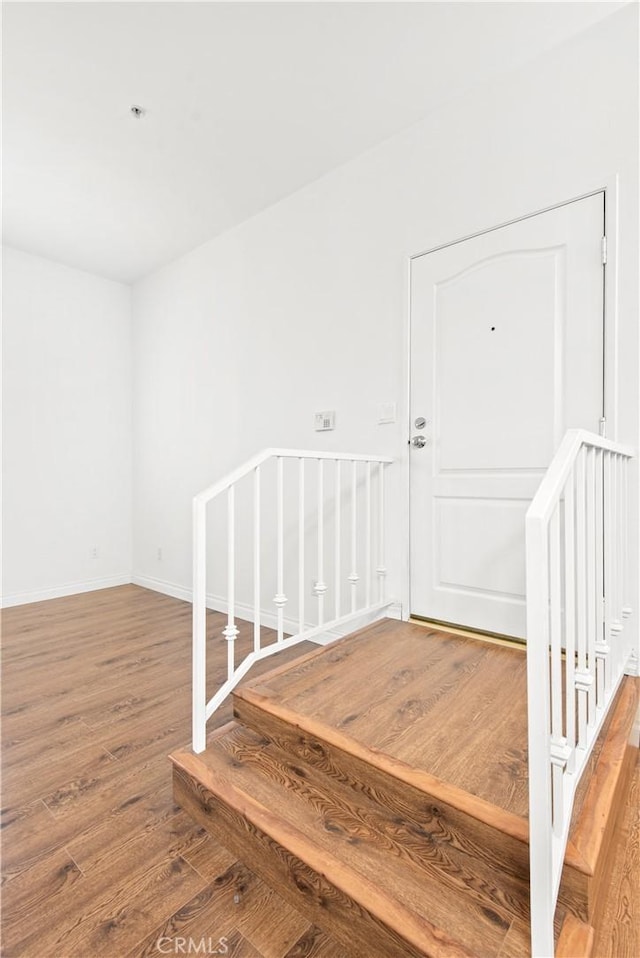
[(97, 860)]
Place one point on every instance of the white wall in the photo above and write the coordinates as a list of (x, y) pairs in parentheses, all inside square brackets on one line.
[(66, 430), (304, 307)]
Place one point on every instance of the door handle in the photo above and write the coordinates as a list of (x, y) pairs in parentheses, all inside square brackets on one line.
[(419, 441)]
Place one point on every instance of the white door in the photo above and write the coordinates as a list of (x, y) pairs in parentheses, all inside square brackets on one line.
[(506, 355)]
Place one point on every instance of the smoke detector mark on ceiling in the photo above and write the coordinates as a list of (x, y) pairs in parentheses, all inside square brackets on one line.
[(137, 111)]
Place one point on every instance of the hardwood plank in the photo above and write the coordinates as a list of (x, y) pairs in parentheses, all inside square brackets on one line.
[(311, 891), (495, 830), (618, 932), (315, 943), (399, 838), (210, 915), (102, 869), (120, 831), (43, 883), (576, 939), (209, 859), (597, 816), (451, 706), (87, 761), (270, 928), (122, 657), (118, 901)]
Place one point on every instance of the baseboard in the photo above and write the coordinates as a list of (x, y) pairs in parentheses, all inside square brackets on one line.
[(161, 585), (243, 611), (60, 591)]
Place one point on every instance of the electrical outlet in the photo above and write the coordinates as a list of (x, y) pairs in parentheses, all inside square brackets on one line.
[(159, 554), (94, 552)]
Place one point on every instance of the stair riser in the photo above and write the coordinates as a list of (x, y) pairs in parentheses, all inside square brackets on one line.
[(583, 891), (305, 889), (488, 845), (585, 882)]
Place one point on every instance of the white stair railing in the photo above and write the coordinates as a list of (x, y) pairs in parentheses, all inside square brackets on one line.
[(366, 532), (579, 642)]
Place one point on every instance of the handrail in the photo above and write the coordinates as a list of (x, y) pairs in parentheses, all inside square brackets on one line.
[(577, 647), (358, 495), (557, 474), (246, 468)]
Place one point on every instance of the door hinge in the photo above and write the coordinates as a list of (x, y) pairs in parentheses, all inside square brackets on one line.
[(603, 248), (603, 426)]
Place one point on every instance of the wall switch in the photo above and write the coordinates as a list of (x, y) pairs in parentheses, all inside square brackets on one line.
[(386, 413), (324, 421)]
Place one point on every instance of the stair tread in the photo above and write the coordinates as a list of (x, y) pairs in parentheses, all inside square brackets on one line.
[(451, 706), (350, 832)]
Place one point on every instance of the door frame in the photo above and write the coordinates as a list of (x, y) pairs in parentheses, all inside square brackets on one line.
[(610, 187)]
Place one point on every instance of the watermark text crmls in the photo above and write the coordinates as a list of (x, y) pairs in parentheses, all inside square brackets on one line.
[(192, 946)]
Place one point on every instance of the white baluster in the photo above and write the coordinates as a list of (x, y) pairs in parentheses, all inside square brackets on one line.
[(280, 599), (540, 788), (256, 560), (353, 577), (603, 680), (611, 555), (559, 752), (381, 570), (301, 527), (337, 539), (555, 597), (591, 578), (320, 587), (626, 597), (583, 677), (607, 521), (617, 626), (199, 663), (560, 755), (620, 537), (570, 615), (619, 622), (367, 547), (616, 612), (230, 631)]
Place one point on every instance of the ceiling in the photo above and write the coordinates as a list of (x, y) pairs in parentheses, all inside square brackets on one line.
[(246, 103)]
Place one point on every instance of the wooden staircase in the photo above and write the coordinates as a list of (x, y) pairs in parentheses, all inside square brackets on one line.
[(379, 785)]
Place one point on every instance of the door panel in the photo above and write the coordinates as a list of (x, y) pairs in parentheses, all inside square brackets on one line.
[(506, 354)]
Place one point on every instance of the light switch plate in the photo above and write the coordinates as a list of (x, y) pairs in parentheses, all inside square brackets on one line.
[(386, 413)]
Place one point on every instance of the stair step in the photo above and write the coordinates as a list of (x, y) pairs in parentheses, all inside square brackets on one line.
[(377, 785), (598, 809), (308, 710), (371, 877)]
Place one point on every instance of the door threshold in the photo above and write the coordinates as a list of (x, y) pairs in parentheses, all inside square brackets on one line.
[(493, 637)]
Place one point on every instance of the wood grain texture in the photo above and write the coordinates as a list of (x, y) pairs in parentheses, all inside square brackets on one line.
[(321, 712), (599, 809), (344, 902), (98, 860), (411, 861), (618, 931), (96, 857), (576, 939), (451, 706)]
